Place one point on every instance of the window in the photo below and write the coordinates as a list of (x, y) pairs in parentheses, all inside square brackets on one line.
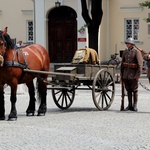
[(132, 28), (30, 35)]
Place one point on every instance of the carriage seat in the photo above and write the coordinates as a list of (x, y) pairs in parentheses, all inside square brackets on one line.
[(86, 56)]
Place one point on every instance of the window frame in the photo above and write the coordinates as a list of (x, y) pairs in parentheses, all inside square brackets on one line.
[(27, 33), (132, 28)]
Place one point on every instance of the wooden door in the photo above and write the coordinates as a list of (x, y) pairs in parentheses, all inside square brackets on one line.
[(62, 38)]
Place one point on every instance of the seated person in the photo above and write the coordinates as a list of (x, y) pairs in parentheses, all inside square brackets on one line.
[(19, 43)]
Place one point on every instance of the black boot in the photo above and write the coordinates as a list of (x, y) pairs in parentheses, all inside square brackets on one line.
[(135, 97), (129, 107), (134, 107)]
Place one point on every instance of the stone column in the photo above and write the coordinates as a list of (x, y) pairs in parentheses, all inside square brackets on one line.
[(39, 22)]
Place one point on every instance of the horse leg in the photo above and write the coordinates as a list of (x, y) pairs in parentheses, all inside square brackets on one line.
[(31, 108), (2, 107), (42, 91), (13, 98)]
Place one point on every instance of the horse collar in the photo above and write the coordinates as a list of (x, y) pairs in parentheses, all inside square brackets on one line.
[(19, 64)]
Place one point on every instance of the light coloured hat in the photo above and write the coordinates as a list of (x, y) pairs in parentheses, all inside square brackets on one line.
[(130, 41)]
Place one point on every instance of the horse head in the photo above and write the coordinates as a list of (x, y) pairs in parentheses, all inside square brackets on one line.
[(8, 41), (5, 43)]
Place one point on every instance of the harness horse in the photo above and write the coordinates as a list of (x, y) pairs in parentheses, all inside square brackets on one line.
[(11, 73)]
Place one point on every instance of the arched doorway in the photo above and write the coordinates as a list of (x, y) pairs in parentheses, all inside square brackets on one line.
[(62, 34)]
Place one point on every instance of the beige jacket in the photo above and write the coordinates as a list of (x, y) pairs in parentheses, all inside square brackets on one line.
[(134, 61)]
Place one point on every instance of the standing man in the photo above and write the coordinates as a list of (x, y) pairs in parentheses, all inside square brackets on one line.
[(131, 69)]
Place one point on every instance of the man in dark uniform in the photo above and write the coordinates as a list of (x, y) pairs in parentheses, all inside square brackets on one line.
[(131, 69)]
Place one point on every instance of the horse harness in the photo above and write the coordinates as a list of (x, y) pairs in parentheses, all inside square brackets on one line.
[(19, 64)]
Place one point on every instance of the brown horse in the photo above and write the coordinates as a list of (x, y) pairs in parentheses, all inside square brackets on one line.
[(33, 57)]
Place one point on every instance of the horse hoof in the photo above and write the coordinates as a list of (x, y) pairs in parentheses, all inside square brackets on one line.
[(41, 114), (30, 114), (42, 110), (12, 119)]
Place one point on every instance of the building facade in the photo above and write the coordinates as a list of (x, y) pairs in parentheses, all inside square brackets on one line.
[(61, 28)]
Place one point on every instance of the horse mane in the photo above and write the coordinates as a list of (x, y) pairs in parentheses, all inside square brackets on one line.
[(9, 43)]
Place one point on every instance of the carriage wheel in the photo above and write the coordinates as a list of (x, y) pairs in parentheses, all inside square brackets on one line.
[(103, 89), (63, 98)]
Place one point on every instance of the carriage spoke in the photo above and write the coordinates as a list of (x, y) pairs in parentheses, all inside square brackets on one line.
[(105, 78), (108, 96), (69, 97), (62, 102), (98, 94), (99, 82), (102, 101), (109, 83), (111, 90), (64, 97), (106, 99), (59, 96), (108, 79), (99, 99), (57, 92)]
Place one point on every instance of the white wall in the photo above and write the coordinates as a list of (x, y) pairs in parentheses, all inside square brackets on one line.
[(12, 17)]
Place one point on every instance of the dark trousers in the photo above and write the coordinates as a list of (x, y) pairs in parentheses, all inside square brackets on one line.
[(132, 90), (131, 85)]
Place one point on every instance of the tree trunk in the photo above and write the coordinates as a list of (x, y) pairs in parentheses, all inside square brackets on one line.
[(93, 37), (94, 22)]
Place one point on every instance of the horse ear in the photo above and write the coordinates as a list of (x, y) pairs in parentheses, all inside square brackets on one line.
[(5, 31)]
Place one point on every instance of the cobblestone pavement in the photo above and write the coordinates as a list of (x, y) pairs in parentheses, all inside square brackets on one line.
[(81, 127)]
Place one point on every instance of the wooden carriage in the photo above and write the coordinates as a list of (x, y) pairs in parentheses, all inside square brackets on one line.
[(98, 78), (67, 78)]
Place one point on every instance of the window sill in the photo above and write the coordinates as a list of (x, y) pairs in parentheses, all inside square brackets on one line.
[(136, 42), (139, 42)]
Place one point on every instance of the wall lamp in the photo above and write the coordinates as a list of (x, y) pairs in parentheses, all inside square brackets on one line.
[(57, 4)]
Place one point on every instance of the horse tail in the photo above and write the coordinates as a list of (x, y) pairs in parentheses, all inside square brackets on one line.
[(38, 91), (41, 91)]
